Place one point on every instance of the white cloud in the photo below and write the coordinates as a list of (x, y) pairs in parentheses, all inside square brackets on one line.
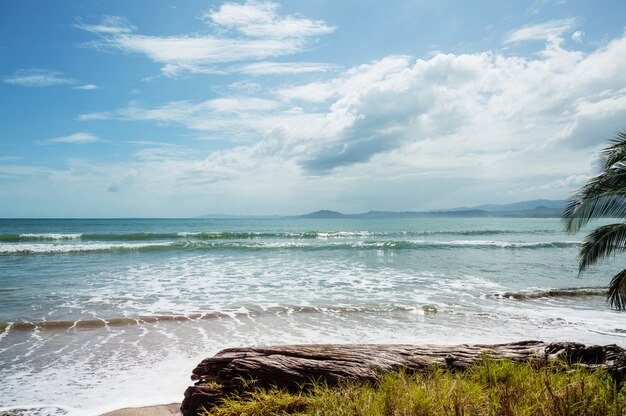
[(578, 36), (97, 116), (245, 86), (568, 183), (454, 129), (462, 104), (76, 138), (550, 30), (186, 51), (259, 19), (353, 79), (286, 68), (153, 151), (111, 25), (315, 92), (536, 6), (86, 87), (38, 78), (260, 33), (236, 118), (14, 171)]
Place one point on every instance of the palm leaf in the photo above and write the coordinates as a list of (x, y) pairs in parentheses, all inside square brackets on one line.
[(616, 152), (617, 291), (603, 196), (578, 213), (601, 243)]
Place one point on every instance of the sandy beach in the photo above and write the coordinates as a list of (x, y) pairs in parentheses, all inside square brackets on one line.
[(159, 410)]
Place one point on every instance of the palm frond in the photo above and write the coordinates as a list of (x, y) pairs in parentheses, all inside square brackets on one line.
[(616, 152), (603, 196), (617, 291), (602, 242), (578, 213)]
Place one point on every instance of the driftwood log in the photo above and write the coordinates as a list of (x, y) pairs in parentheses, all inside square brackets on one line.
[(292, 366)]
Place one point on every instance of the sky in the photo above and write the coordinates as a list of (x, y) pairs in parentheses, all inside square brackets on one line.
[(182, 108)]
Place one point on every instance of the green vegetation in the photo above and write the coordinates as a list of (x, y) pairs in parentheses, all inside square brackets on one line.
[(491, 388), (603, 196)]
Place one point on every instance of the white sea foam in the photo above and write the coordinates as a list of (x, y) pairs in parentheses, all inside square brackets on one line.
[(41, 248), (66, 247), (120, 356), (41, 410), (343, 234), (287, 286), (51, 236), (187, 234), (497, 243)]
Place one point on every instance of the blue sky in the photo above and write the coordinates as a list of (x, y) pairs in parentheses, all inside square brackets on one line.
[(181, 108)]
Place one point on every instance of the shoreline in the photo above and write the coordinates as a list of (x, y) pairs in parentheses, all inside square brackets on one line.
[(171, 409)]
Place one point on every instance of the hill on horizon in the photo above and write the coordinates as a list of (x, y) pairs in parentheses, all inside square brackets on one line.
[(533, 208), (519, 206)]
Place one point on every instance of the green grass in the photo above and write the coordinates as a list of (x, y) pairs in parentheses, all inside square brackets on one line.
[(491, 388)]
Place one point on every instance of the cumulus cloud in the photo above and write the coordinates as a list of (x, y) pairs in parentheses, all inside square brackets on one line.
[(37, 77), (241, 32), (487, 125), (465, 104)]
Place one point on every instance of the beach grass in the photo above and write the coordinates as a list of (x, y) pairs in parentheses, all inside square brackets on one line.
[(490, 388)]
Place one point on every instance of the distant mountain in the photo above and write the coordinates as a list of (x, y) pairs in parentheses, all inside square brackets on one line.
[(535, 208), (324, 214), (525, 205)]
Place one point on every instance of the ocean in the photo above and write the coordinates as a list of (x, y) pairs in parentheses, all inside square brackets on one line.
[(102, 314)]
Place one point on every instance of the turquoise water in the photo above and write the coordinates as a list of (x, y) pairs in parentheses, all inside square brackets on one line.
[(93, 311)]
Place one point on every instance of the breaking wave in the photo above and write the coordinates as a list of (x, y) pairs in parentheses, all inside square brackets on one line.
[(572, 292), (245, 235), (242, 312), (391, 245)]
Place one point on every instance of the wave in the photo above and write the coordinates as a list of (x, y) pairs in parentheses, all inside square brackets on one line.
[(246, 235), (39, 237), (390, 245), (76, 248), (240, 313), (572, 292)]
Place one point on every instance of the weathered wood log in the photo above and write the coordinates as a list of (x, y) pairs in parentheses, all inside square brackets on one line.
[(293, 366)]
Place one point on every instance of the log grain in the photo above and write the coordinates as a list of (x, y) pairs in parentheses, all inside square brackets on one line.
[(293, 366)]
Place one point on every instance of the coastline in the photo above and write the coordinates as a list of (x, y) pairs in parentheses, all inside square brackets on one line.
[(171, 409), (91, 332)]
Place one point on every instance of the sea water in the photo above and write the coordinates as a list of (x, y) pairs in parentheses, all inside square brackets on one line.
[(102, 314)]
